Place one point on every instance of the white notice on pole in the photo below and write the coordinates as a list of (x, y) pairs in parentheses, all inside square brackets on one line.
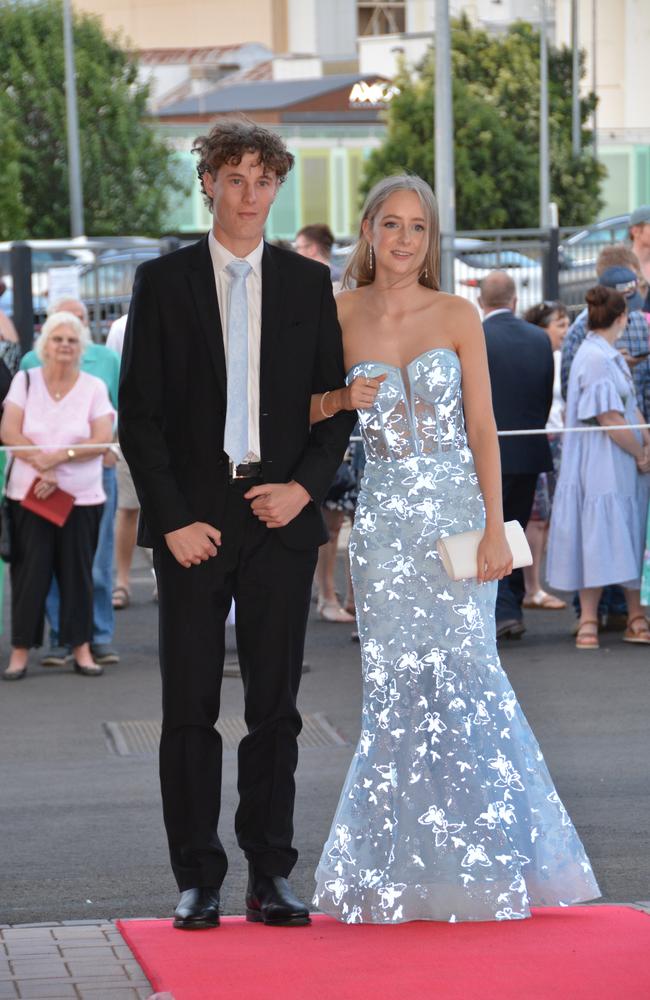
[(62, 283)]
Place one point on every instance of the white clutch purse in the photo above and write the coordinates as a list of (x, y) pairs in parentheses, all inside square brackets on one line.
[(458, 553)]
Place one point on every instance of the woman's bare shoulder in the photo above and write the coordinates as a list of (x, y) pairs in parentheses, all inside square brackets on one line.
[(348, 301), (457, 306)]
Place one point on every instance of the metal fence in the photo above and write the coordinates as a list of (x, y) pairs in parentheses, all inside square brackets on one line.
[(550, 264), (544, 264), (99, 272)]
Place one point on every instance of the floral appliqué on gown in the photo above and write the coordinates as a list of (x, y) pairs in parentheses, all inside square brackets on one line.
[(448, 811)]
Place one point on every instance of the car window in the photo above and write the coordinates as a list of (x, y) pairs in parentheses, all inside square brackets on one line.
[(502, 258)]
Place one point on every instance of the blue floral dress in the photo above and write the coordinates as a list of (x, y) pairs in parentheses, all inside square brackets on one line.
[(448, 811)]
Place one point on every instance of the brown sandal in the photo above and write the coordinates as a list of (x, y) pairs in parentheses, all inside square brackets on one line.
[(587, 640), (641, 636)]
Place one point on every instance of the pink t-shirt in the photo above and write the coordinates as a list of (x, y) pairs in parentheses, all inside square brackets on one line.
[(59, 424)]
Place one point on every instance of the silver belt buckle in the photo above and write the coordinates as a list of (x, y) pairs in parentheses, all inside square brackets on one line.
[(232, 471)]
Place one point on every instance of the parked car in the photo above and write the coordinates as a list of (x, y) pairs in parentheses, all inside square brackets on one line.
[(578, 255), (39, 303), (474, 259)]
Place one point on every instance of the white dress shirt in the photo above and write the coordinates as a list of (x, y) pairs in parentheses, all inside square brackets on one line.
[(221, 257)]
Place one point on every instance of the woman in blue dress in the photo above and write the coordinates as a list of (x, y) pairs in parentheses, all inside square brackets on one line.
[(448, 811), (600, 507)]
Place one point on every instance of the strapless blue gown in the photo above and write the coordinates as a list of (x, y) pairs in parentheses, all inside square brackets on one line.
[(448, 811)]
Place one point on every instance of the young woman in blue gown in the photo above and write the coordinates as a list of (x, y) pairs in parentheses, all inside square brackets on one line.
[(448, 811)]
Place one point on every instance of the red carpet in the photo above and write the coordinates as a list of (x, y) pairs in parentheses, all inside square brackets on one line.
[(575, 953)]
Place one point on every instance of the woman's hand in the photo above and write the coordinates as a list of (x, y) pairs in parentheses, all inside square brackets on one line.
[(643, 460), (46, 485), (494, 558), (361, 393), (45, 460)]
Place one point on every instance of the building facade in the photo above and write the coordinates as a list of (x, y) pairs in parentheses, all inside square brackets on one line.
[(330, 124), (310, 40)]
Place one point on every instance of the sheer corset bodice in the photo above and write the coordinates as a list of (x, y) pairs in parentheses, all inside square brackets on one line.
[(418, 410)]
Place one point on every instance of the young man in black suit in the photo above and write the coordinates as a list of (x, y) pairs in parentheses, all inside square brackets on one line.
[(520, 359), (225, 344)]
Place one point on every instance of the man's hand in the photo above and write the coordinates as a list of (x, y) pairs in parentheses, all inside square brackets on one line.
[(193, 544), (632, 360), (278, 503)]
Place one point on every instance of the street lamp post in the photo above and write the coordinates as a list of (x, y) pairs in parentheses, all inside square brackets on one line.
[(444, 144), (575, 82), (544, 168), (74, 160)]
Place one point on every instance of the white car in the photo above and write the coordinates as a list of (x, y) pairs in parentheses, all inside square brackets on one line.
[(474, 259)]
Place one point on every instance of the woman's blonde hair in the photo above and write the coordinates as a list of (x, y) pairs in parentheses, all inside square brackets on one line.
[(360, 270), (52, 323)]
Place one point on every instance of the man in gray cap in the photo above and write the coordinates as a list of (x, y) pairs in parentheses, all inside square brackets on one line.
[(640, 239)]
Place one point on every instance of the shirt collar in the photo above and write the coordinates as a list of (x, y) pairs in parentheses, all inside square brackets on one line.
[(221, 256), (497, 312)]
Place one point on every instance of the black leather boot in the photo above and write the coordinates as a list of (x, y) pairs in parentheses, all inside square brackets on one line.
[(198, 909), (270, 900)]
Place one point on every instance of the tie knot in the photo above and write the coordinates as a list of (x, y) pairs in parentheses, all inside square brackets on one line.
[(239, 269)]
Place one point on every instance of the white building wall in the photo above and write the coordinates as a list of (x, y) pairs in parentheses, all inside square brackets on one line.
[(381, 53), (622, 58), (336, 29), (302, 27)]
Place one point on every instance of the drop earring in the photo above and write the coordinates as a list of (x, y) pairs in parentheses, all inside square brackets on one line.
[(372, 258)]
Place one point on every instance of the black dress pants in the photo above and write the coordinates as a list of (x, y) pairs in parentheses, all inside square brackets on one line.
[(518, 496), (40, 550), (271, 585)]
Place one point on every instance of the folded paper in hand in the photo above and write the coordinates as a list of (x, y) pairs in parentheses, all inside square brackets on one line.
[(55, 508), (458, 553)]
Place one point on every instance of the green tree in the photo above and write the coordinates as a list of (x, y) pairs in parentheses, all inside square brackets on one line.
[(496, 131), (12, 208), (127, 172)]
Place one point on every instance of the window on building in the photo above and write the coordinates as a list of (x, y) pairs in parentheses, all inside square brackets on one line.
[(314, 170), (381, 18)]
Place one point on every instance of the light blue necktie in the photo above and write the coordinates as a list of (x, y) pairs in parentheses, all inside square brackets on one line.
[(235, 440)]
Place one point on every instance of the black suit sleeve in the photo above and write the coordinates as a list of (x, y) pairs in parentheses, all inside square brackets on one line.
[(550, 378), (328, 439), (141, 422)]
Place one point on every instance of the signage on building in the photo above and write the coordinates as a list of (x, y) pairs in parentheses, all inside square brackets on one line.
[(364, 94)]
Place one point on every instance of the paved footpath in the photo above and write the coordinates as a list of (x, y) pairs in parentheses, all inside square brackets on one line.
[(82, 836), (78, 960)]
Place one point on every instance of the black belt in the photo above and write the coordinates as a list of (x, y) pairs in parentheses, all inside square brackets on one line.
[(248, 470)]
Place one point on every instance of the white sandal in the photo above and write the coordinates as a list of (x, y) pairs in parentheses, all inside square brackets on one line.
[(331, 611)]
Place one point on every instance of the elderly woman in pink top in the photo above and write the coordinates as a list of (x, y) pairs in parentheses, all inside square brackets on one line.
[(57, 407)]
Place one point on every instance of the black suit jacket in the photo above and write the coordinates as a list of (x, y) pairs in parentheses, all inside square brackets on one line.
[(172, 399), (520, 359)]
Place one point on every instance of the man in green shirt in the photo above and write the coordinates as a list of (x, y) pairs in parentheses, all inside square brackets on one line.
[(104, 364)]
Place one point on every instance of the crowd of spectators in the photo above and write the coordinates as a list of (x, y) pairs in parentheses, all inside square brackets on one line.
[(588, 498)]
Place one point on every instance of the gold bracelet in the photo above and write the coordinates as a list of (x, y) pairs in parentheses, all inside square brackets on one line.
[(322, 408)]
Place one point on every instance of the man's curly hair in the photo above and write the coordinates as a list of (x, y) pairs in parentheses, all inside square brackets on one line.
[(230, 139)]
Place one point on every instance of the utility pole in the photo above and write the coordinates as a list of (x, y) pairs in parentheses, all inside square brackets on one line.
[(74, 160), (544, 168), (594, 77), (575, 82), (444, 144)]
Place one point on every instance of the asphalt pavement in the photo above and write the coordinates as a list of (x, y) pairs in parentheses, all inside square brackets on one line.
[(81, 830)]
